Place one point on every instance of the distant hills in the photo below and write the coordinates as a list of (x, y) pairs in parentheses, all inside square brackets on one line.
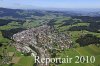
[(19, 13)]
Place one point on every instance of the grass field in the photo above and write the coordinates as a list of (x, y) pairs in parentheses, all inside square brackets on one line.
[(90, 50), (72, 53), (25, 61)]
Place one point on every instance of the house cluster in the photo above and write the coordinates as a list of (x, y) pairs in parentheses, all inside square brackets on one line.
[(42, 36)]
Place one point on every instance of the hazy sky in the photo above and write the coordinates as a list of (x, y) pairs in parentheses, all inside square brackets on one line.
[(50, 3)]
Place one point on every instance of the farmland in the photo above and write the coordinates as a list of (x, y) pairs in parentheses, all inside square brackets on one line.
[(83, 51), (89, 50)]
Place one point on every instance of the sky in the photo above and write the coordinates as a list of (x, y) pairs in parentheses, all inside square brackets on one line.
[(30, 4)]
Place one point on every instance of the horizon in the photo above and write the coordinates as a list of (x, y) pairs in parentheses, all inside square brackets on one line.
[(50, 4)]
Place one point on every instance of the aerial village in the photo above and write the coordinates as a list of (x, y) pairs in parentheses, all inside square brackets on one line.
[(41, 41)]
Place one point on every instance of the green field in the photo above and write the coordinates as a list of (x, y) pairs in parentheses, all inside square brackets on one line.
[(90, 50), (25, 61)]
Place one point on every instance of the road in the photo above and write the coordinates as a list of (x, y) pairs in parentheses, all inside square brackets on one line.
[(42, 53)]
